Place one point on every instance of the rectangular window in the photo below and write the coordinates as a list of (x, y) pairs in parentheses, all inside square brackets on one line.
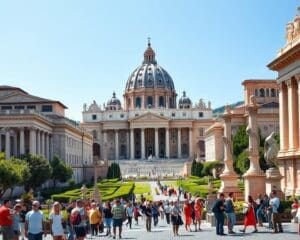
[(200, 114), (94, 117), (184, 114), (122, 116), (20, 107), (6, 107), (47, 108), (110, 116), (173, 114), (30, 106)]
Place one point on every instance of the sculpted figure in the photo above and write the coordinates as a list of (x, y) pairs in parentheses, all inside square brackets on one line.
[(251, 129), (296, 26), (84, 107), (271, 150), (289, 32)]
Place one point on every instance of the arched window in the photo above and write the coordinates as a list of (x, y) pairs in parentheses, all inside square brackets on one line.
[(96, 150), (138, 102), (161, 101), (273, 92), (201, 148), (256, 93), (262, 92), (149, 101)]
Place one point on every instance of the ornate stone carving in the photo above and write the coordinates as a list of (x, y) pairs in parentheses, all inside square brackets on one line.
[(296, 26), (271, 150), (289, 32), (94, 107)]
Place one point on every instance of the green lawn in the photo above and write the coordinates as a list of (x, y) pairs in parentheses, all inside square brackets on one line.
[(170, 183), (141, 188)]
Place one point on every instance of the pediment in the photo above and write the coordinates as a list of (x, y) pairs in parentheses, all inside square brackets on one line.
[(20, 97), (148, 117)]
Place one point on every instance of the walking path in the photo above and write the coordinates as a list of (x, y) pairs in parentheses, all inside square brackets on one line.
[(162, 197)]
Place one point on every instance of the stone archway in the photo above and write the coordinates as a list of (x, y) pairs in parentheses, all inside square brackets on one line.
[(96, 150), (201, 149)]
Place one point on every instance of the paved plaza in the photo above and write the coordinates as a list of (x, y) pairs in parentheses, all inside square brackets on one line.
[(164, 232)]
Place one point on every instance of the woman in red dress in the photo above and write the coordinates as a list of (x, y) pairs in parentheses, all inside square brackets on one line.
[(198, 213), (250, 216), (187, 210)]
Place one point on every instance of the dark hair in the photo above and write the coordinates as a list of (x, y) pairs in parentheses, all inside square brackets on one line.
[(230, 194), (5, 201), (274, 192), (250, 199), (221, 194)]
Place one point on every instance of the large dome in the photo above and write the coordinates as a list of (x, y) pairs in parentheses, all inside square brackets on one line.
[(149, 74)]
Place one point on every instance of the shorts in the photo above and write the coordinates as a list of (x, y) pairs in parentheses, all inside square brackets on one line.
[(79, 231), (7, 232), (107, 222), (117, 222)]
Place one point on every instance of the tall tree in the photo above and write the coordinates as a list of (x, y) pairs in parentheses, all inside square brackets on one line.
[(13, 172), (40, 170), (60, 171)]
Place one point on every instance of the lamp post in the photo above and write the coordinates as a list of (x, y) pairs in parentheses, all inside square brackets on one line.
[(83, 190)]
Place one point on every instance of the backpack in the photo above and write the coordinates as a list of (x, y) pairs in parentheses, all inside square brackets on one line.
[(280, 208), (75, 218)]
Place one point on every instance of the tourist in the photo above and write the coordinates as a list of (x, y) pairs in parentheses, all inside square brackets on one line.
[(117, 218), (23, 213), (250, 220), (155, 214), (136, 213), (258, 209), (298, 219), (168, 211), (78, 220), (276, 214), (129, 214), (107, 217), (161, 210), (34, 223), (218, 209), (294, 209), (187, 210), (69, 225), (230, 213), (6, 221), (198, 214), (95, 218), (16, 221), (56, 220), (176, 218), (268, 211), (148, 214)]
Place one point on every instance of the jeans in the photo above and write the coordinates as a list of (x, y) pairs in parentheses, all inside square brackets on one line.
[(219, 223), (70, 230), (148, 223), (129, 219), (155, 219), (38, 236), (232, 220), (276, 220), (168, 218)]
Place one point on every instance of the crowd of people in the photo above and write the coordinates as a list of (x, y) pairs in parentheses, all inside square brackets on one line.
[(83, 217), (263, 209)]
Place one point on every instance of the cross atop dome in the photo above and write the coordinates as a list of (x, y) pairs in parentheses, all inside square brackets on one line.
[(149, 54)]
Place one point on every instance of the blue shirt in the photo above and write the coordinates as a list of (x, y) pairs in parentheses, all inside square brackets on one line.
[(274, 202), (35, 221), (229, 208)]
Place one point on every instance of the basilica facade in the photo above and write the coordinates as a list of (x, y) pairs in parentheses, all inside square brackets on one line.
[(151, 122)]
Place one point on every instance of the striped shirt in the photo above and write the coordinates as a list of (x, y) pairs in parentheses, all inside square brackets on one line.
[(117, 212)]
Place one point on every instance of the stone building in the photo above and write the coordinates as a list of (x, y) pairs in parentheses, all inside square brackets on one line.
[(287, 64), (150, 123), (30, 124), (266, 95)]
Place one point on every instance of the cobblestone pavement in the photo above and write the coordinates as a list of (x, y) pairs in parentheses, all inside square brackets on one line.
[(164, 232)]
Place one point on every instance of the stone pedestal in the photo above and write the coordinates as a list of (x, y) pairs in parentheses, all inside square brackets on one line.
[(273, 182), (229, 184), (255, 181), (187, 168)]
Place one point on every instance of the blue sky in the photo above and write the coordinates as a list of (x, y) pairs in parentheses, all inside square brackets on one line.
[(80, 51)]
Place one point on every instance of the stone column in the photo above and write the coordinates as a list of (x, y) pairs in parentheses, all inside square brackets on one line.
[(283, 117), (32, 141), (190, 142), (50, 138), (116, 145), (7, 144), (15, 147), (293, 115), (38, 146), (131, 143), (127, 145), (22, 141), (229, 177), (47, 146), (105, 157), (43, 143), (143, 102), (254, 177), (179, 142), (156, 143), (167, 143), (143, 143), (298, 82)]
